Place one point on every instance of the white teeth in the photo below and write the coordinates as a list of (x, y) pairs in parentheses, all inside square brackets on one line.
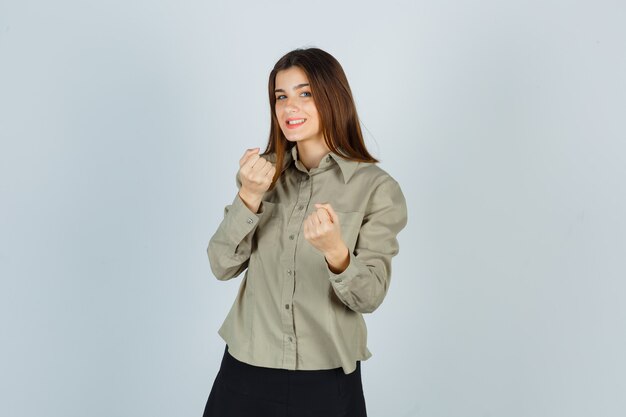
[(295, 122)]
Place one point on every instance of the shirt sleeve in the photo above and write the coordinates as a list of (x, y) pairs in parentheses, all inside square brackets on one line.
[(230, 246), (362, 286)]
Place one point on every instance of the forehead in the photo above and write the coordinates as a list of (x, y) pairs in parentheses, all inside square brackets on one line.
[(290, 77)]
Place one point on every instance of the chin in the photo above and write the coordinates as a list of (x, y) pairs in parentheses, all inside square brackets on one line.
[(296, 137), (293, 138)]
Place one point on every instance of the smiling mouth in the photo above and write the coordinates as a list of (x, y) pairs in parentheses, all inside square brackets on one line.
[(295, 123)]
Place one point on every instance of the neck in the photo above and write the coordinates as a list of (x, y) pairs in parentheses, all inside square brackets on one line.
[(311, 153)]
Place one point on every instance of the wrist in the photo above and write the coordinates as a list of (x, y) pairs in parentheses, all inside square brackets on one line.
[(338, 259), (249, 194), (251, 200)]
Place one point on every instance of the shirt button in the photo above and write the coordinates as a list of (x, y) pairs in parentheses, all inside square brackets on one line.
[(290, 339), (300, 207), (289, 272), (328, 159), (291, 237), (250, 221), (338, 280), (287, 306)]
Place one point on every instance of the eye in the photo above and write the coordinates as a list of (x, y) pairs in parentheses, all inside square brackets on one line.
[(305, 93)]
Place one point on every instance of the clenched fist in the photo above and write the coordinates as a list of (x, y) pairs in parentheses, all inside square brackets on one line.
[(323, 231), (256, 173)]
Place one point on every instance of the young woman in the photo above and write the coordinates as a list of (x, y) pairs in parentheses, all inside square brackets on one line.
[(315, 225)]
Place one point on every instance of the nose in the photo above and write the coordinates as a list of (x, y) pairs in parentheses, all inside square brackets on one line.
[(290, 107)]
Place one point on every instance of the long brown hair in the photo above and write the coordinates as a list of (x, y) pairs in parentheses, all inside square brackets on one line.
[(333, 98)]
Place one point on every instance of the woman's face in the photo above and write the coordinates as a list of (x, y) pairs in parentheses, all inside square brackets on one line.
[(295, 103)]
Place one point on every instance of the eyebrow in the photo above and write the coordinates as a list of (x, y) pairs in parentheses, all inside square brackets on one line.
[(295, 88)]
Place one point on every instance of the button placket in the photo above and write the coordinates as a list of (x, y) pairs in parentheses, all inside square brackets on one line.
[(289, 353), (293, 229)]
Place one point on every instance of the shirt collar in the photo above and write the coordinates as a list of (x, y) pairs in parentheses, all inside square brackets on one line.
[(346, 166)]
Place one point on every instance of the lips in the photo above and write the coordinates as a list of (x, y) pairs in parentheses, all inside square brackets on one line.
[(295, 122)]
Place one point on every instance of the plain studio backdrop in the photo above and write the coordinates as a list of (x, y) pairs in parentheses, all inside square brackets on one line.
[(122, 124)]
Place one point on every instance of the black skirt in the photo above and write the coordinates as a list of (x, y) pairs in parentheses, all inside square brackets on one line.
[(243, 390)]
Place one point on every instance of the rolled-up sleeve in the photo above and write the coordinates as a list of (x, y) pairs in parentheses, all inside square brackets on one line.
[(362, 286), (230, 246)]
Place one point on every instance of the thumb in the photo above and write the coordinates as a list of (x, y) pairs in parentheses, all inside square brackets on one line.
[(329, 209), (247, 154)]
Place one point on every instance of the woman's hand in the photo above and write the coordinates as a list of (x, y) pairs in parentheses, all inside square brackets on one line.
[(256, 173), (323, 231)]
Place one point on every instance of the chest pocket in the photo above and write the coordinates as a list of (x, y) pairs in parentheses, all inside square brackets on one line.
[(350, 223)]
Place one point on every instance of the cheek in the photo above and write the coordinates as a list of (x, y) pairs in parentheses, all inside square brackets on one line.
[(316, 121), (277, 115), (312, 111)]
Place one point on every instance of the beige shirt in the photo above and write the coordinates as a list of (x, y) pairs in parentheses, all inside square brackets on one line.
[(292, 311)]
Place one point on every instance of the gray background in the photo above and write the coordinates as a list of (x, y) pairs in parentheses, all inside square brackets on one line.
[(122, 123)]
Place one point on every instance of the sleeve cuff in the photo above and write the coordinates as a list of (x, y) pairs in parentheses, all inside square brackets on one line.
[(242, 219), (341, 281)]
